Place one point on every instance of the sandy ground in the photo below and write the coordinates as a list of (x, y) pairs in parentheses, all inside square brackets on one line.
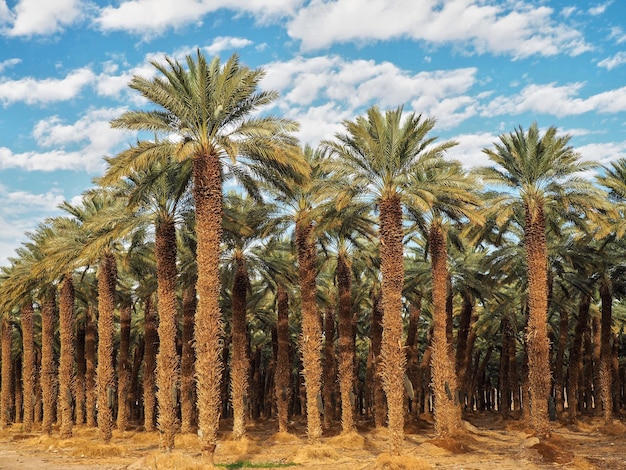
[(490, 443)]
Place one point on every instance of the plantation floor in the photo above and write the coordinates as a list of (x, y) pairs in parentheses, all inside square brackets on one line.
[(491, 443)]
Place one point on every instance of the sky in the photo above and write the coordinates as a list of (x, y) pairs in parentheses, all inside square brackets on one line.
[(481, 68)]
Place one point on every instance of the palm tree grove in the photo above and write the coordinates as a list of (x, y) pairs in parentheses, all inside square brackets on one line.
[(224, 289)]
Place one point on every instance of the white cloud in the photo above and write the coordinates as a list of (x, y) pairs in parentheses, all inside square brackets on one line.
[(32, 91), (79, 146), (516, 28), (469, 149), (617, 34), (21, 213), (153, 17), (603, 153), (599, 9), (312, 87), (37, 17), (223, 43), (614, 61), (556, 101), (8, 63)]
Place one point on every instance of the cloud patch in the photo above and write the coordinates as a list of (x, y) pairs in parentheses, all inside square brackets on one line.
[(39, 18)]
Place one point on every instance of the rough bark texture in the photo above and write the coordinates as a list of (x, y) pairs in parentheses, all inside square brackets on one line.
[(606, 369), (283, 368), (151, 347), (66, 362), (207, 193), (376, 335), (346, 344), (538, 346), (187, 362), (123, 369), (444, 380), (5, 395), (576, 355), (330, 375), (107, 279), (240, 362), (311, 337), (167, 358), (90, 369), (28, 366), (48, 367), (559, 385), (393, 359), (79, 379)]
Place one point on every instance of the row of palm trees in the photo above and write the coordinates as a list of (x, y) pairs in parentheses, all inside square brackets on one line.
[(381, 197)]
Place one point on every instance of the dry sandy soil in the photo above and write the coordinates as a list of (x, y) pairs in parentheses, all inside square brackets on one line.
[(491, 443)]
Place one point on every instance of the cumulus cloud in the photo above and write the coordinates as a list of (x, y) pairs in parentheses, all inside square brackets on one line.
[(556, 100), (599, 9), (223, 43), (322, 91), (78, 146), (617, 34), (33, 91), (516, 28), (603, 152), (469, 149), (38, 18), (614, 61), (154, 17), (8, 63)]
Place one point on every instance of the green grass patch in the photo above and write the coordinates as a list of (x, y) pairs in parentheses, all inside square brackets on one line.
[(246, 464)]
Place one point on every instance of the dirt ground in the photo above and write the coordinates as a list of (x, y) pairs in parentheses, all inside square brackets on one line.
[(490, 443)]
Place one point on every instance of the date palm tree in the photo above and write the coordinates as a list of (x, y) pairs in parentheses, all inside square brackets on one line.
[(541, 173), (377, 153), (442, 191), (211, 108), (158, 195)]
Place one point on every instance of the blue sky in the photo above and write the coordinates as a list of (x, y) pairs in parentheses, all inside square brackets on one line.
[(480, 67)]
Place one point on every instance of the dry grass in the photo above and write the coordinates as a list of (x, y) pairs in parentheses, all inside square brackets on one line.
[(283, 438), (312, 453), (240, 447), (400, 462), (81, 448), (168, 461), (351, 440)]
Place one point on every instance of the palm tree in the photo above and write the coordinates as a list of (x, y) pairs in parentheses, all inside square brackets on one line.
[(159, 195), (442, 190), (209, 106), (542, 173), (377, 153)]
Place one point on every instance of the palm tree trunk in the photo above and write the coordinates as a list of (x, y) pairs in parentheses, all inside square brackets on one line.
[(151, 346), (447, 406), (207, 193), (79, 382), (576, 355), (5, 394), (66, 362), (28, 365), (559, 362), (240, 362), (187, 362), (376, 334), (538, 345), (283, 368), (346, 344), (330, 376), (392, 350), (107, 279), (606, 369), (311, 337), (48, 369), (167, 358), (90, 369), (123, 369)]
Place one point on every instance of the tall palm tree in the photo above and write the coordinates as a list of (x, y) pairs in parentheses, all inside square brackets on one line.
[(377, 153), (159, 195), (442, 190), (541, 173), (210, 107)]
